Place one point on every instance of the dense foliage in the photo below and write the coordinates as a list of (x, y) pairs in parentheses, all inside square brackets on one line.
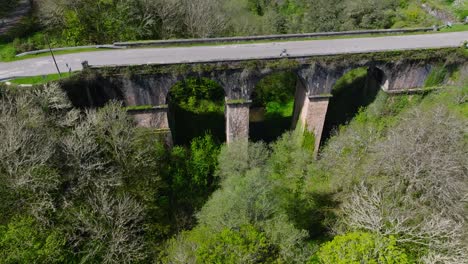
[(358, 247), (106, 21), (379, 185), (196, 109), (83, 22), (90, 186), (81, 186)]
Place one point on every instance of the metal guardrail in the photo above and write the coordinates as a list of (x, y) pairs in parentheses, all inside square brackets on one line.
[(267, 37), (124, 45)]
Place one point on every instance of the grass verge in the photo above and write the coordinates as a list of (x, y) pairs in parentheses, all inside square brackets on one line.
[(455, 28), (34, 80), (8, 53)]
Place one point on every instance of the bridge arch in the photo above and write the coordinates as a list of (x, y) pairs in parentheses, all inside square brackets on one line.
[(356, 88), (196, 106), (272, 104), (316, 76)]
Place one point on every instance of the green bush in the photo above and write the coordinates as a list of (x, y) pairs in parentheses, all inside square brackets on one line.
[(245, 245), (436, 77), (198, 95), (275, 109), (277, 88), (7, 52), (34, 42), (361, 248), (22, 241), (193, 170)]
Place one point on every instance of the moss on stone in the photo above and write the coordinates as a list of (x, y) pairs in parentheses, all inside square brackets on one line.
[(238, 101), (444, 55)]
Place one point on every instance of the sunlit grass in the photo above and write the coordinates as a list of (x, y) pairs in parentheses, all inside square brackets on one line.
[(455, 28), (43, 79), (274, 109)]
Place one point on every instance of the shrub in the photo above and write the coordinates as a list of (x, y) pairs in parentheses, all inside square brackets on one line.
[(198, 95), (245, 245), (436, 77), (360, 247), (22, 241)]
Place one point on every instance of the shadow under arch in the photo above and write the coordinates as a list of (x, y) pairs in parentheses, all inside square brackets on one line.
[(272, 107), (196, 107), (356, 89)]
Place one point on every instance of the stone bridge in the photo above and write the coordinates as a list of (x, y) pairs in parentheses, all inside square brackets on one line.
[(149, 85)]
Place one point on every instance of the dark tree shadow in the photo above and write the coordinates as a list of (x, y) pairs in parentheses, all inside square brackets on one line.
[(195, 109), (91, 90), (278, 89), (355, 90), (187, 125), (269, 129)]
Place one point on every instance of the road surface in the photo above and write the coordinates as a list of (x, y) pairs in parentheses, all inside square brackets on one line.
[(44, 65)]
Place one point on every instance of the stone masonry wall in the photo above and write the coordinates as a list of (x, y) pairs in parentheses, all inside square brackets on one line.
[(237, 121)]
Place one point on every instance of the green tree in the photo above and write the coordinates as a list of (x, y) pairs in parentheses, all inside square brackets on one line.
[(191, 178), (24, 241), (244, 245), (359, 247)]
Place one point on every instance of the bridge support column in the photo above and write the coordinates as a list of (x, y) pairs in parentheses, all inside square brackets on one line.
[(316, 113), (155, 117), (310, 114), (237, 121)]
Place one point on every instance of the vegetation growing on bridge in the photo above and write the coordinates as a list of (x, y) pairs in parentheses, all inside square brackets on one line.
[(443, 55)]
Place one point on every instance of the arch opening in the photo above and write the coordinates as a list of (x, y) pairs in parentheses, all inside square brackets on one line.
[(196, 108), (271, 111), (355, 90)]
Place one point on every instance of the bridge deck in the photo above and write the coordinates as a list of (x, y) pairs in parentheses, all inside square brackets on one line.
[(44, 65)]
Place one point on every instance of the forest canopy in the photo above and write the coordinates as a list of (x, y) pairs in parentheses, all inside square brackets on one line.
[(79, 22), (89, 186)]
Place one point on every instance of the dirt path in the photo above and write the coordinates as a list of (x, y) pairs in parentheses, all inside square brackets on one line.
[(15, 16)]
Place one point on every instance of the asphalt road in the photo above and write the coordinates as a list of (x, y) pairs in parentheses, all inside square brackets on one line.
[(44, 65)]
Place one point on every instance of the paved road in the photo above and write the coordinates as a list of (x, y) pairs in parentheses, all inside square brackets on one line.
[(40, 66)]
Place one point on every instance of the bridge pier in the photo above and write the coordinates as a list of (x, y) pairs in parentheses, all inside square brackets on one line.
[(310, 109), (237, 120), (316, 108), (310, 112)]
